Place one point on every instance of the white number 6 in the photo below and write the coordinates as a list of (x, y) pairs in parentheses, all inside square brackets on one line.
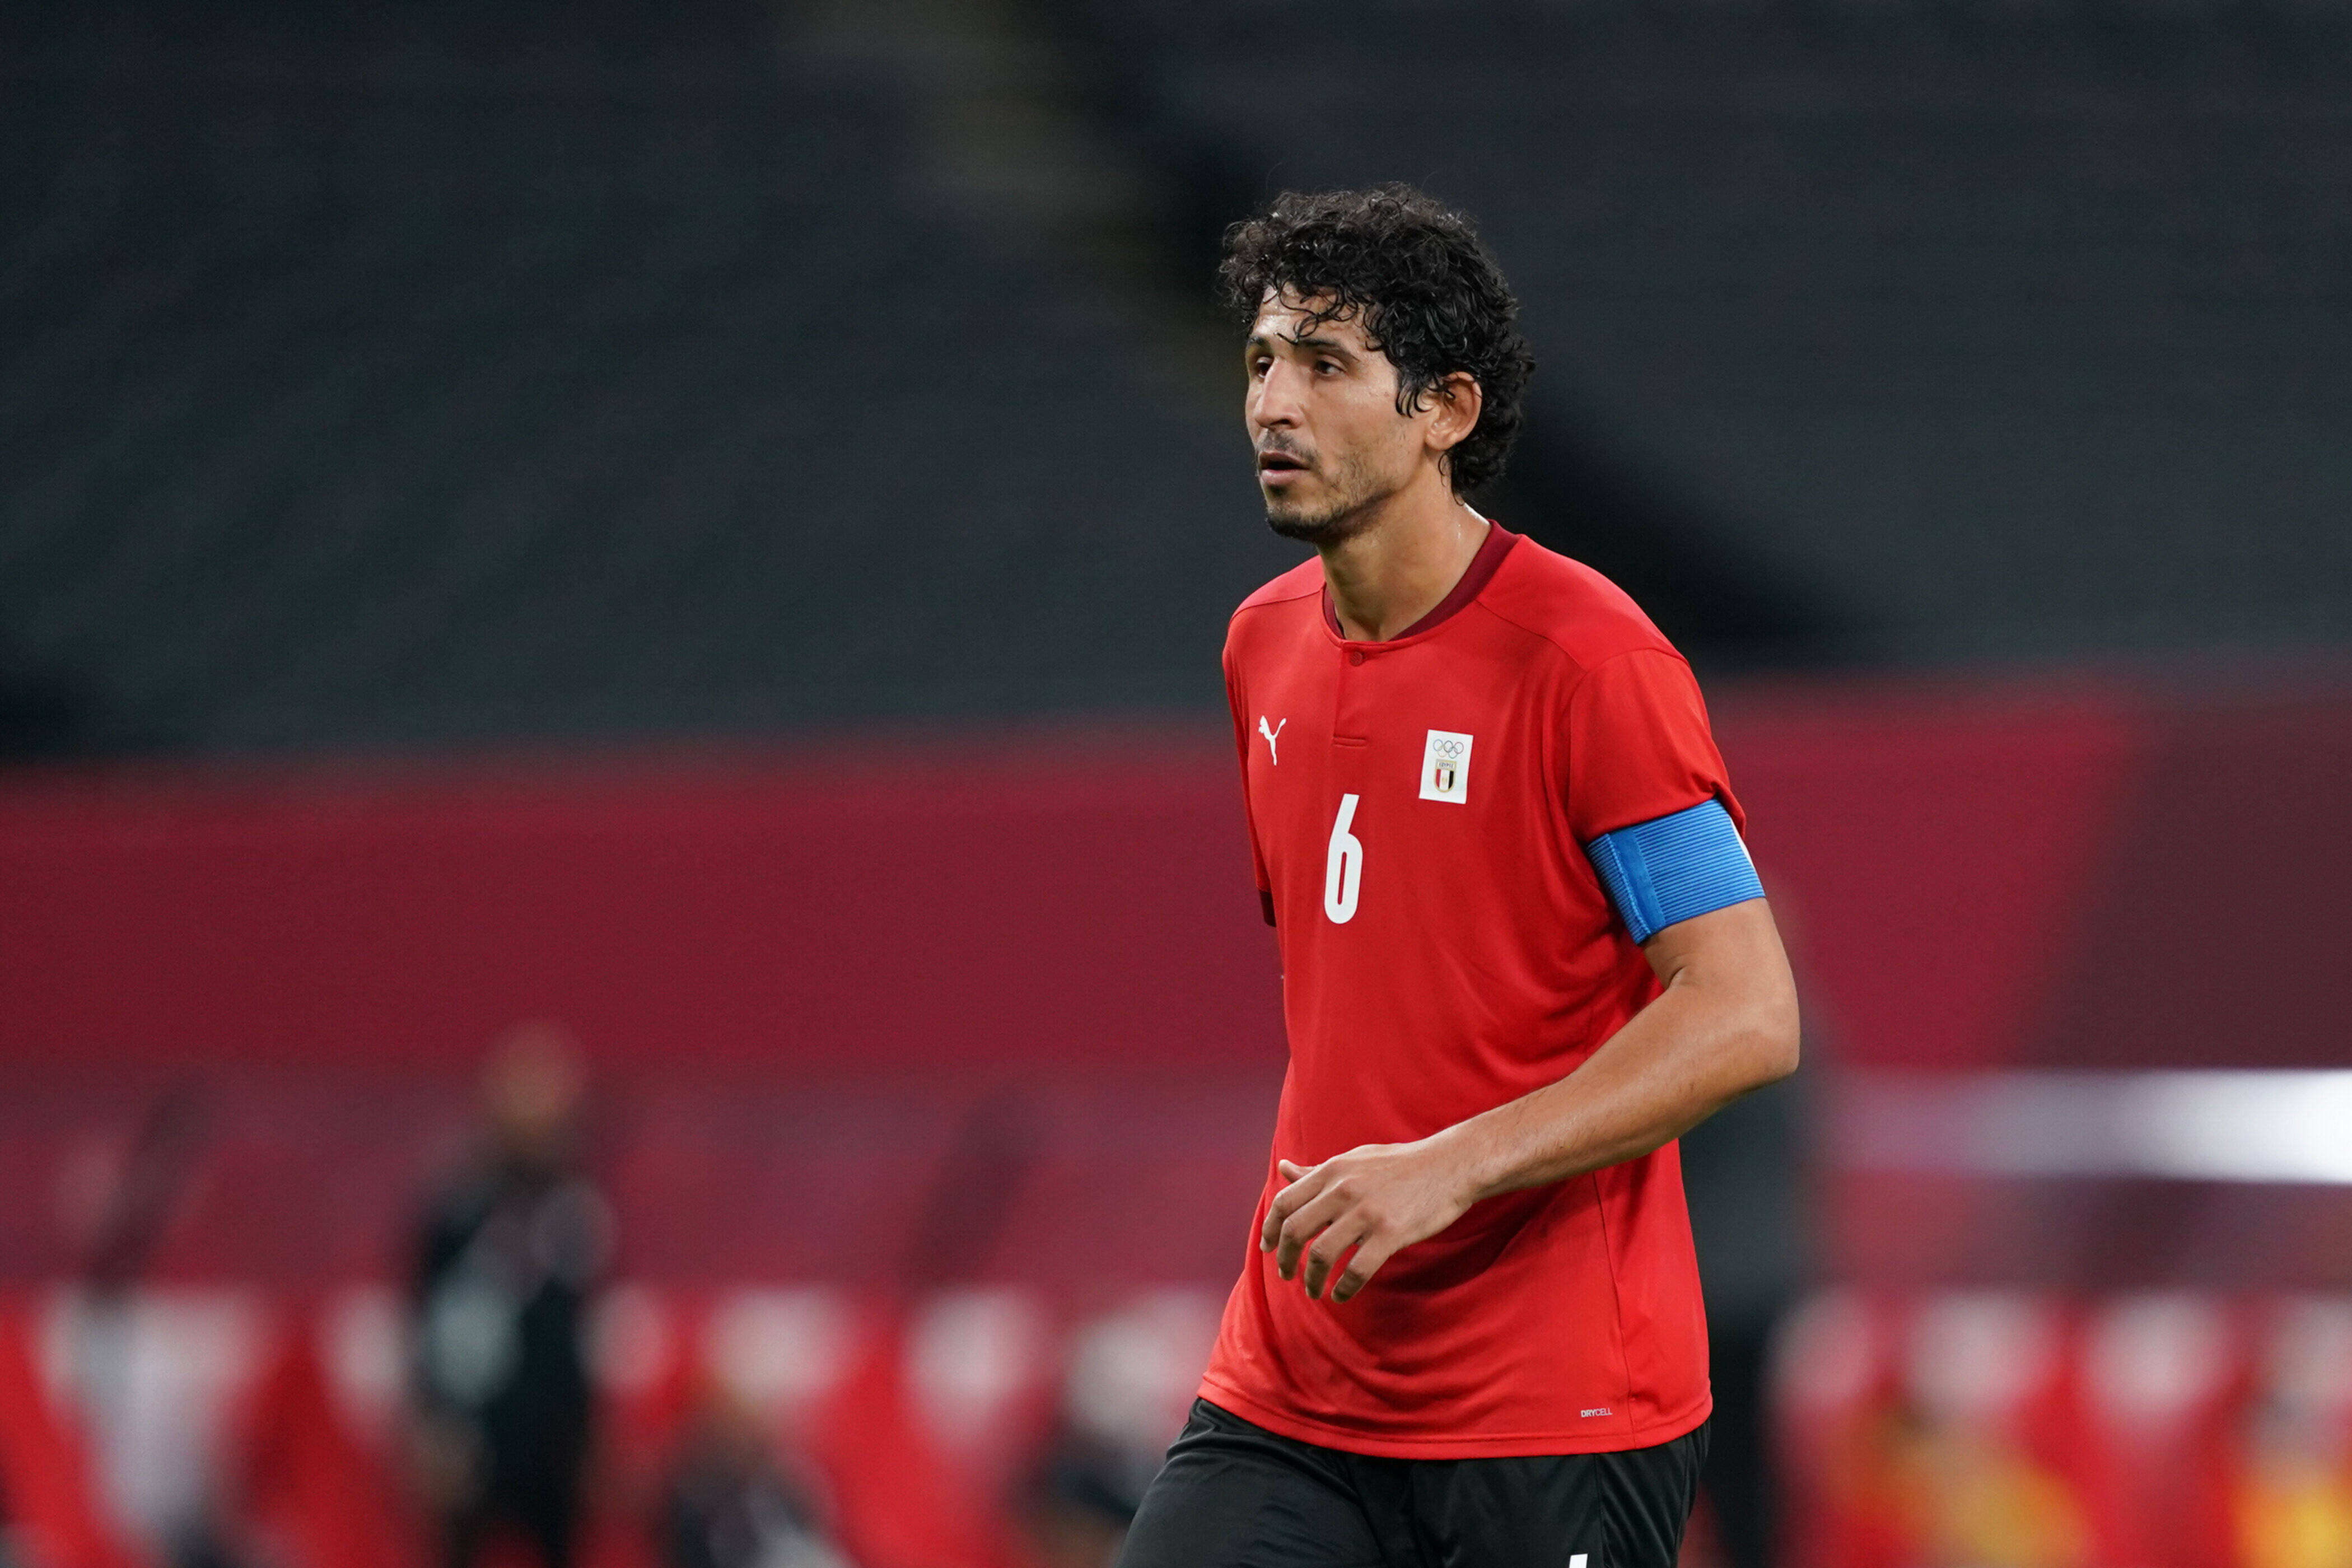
[(1343, 872)]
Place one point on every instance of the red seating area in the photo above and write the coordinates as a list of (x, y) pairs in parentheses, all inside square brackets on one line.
[(2157, 1429), (908, 1420)]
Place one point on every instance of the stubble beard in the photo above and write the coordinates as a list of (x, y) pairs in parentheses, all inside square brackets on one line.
[(1356, 491)]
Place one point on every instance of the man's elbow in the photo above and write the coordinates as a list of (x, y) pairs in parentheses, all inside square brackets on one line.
[(1774, 1035)]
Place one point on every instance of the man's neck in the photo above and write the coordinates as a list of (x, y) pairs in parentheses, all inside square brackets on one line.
[(1392, 574)]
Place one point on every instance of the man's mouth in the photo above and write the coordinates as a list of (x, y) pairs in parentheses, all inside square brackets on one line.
[(1271, 465)]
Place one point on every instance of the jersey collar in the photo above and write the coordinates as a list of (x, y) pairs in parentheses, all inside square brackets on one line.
[(1481, 570)]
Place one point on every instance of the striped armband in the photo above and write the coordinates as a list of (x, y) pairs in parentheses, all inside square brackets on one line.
[(1688, 863)]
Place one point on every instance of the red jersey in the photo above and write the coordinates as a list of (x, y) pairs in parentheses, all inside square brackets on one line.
[(1418, 810)]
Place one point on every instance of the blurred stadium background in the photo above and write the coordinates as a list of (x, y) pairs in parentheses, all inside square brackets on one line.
[(691, 539)]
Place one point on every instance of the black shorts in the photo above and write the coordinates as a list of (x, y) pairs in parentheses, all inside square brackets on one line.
[(1234, 1494)]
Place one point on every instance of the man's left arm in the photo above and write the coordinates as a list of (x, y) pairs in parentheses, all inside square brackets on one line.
[(1726, 1024)]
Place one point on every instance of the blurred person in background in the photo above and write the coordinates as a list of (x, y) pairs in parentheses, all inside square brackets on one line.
[(1079, 1504), (729, 1503), (506, 1258), (153, 1456)]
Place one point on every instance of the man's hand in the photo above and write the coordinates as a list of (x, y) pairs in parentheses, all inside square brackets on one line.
[(1377, 1199)]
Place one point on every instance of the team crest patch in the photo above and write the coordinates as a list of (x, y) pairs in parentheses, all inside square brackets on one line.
[(1445, 768)]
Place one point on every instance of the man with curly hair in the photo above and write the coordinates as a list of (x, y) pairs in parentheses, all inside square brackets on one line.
[(1523, 951)]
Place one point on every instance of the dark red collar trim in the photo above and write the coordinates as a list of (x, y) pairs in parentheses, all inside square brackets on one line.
[(1481, 571)]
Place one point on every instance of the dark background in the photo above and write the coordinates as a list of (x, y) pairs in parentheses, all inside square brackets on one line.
[(408, 375)]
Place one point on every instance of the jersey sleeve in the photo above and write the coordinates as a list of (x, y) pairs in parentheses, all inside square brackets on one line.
[(1639, 747), (1647, 797), (1237, 706)]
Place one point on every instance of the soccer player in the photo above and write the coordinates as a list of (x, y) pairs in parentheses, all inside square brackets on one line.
[(1523, 951)]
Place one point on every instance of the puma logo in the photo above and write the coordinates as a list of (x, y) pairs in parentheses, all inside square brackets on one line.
[(1271, 751)]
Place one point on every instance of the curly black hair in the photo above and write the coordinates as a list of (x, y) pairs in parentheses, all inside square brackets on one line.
[(1428, 291)]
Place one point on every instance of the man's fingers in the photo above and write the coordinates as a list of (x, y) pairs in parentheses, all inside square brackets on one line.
[(1375, 1252), (1324, 1256), (1308, 1221), (1286, 1203)]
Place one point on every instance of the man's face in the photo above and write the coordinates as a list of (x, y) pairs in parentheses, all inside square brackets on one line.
[(1322, 414)]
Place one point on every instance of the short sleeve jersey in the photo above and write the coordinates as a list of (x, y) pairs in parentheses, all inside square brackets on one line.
[(1418, 810)]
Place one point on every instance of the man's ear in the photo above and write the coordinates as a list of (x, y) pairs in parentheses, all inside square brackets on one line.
[(1455, 405)]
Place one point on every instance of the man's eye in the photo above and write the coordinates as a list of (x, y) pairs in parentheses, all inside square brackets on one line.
[(1327, 367)]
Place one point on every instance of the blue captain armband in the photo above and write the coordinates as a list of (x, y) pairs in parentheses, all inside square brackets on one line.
[(1675, 867)]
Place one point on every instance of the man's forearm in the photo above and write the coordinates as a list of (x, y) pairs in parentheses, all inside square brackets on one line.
[(1719, 1030)]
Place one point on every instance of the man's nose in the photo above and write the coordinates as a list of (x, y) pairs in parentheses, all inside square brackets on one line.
[(1276, 401)]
